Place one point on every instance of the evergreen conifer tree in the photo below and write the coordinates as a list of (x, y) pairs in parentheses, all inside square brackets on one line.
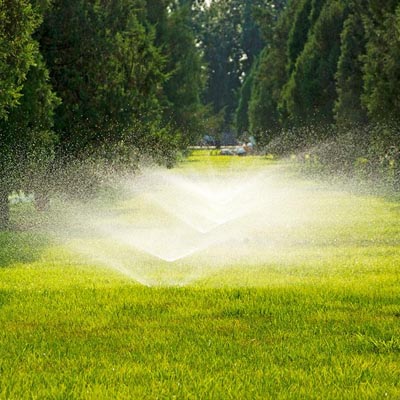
[(310, 94), (270, 76), (349, 76), (381, 63)]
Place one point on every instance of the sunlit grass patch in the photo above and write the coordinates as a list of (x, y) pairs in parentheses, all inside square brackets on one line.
[(212, 161), (123, 340), (296, 304)]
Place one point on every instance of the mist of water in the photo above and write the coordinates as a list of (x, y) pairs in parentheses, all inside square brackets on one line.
[(173, 227)]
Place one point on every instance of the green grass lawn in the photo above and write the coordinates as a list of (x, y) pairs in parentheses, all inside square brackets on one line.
[(314, 315)]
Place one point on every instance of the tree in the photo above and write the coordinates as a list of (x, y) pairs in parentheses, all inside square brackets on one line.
[(28, 134), (270, 75), (231, 40), (107, 71), (17, 24), (381, 68), (221, 45), (260, 21), (251, 38), (349, 75), (27, 103), (299, 31), (184, 68), (309, 95)]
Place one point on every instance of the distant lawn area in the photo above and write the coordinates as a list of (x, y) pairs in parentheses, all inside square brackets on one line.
[(315, 314)]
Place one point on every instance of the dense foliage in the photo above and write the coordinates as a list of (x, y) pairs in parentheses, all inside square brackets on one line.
[(328, 61), (27, 102), (231, 36), (330, 74), (93, 80)]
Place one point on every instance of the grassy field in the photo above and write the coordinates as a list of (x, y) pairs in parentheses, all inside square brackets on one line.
[(315, 315)]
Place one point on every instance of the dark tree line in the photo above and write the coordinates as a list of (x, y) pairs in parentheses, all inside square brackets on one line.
[(94, 79), (328, 62), (86, 79), (91, 79), (329, 73)]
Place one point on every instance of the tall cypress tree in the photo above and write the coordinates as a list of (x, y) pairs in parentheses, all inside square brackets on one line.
[(184, 67), (269, 78), (260, 19), (381, 67), (221, 39), (299, 31), (349, 76), (310, 93)]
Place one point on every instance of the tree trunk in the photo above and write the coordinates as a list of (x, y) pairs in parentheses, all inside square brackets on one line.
[(4, 209)]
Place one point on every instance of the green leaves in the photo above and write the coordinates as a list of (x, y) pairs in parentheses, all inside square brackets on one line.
[(17, 50), (381, 70), (107, 70), (231, 40), (310, 92), (341, 62), (27, 103), (111, 78), (349, 74)]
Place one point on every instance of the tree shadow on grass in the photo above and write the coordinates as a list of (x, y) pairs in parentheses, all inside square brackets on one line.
[(21, 247), (23, 242)]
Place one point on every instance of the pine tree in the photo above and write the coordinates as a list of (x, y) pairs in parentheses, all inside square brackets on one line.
[(310, 93), (270, 76), (298, 32), (221, 41), (186, 79), (28, 133), (349, 76), (381, 67)]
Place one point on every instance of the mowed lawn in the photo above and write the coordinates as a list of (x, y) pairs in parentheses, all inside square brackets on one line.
[(317, 319)]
